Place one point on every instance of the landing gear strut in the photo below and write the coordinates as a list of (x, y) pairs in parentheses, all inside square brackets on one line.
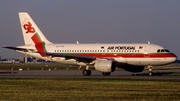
[(150, 70), (87, 72)]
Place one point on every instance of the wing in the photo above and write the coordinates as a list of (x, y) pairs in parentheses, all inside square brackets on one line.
[(86, 59)]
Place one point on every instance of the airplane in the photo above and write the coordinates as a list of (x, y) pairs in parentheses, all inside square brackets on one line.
[(103, 57)]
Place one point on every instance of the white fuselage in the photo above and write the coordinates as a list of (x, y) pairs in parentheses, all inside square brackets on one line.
[(133, 54)]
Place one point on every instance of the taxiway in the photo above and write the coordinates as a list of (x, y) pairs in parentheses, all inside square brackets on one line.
[(78, 74)]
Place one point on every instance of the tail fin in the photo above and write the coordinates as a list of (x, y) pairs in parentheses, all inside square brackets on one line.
[(31, 33)]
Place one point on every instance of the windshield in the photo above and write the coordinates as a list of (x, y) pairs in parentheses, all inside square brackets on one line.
[(163, 50)]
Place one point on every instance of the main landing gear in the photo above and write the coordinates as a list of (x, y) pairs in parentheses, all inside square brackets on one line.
[(150, 70), (87, 72)]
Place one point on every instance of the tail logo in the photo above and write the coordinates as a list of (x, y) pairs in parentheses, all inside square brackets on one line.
[(28, 27)]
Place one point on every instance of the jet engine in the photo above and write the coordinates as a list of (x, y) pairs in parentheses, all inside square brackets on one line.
[(105, 65)]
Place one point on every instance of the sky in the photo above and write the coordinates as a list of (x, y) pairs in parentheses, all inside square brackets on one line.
[(93, 21)]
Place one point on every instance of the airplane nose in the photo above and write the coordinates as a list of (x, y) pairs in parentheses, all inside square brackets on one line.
[(174, 58)]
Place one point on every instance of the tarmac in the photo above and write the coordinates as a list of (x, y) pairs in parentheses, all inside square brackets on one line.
[(157, 74)]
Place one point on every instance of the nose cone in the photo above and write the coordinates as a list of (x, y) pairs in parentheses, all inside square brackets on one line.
[(174, 58)]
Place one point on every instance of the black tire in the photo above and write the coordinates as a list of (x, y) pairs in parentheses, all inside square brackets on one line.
[(106, 73), (89, 72), (86, 72)]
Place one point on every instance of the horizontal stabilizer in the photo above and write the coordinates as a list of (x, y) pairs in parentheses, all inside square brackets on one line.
[(20, 49)]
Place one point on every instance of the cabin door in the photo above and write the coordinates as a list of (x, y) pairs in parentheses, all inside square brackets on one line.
[(146, 51)]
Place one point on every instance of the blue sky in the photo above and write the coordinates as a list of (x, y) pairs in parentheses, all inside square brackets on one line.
[(93, 21)]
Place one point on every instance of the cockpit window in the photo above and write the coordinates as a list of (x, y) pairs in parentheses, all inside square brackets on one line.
[(163, 50), (167, 50)]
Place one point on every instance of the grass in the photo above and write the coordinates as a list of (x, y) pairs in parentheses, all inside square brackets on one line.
[(88, 90)]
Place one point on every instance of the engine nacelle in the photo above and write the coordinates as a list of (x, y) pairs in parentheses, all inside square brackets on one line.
[(105, 65)]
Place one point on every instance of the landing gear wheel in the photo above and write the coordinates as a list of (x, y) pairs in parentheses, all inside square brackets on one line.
[(150, 70), (150, 73), (86, 72), (106, 73)]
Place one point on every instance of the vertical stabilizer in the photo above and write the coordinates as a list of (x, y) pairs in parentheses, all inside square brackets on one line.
[(31, 33)]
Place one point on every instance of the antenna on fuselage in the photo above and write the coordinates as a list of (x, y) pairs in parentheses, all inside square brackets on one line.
[(149, 42), (77, 42)]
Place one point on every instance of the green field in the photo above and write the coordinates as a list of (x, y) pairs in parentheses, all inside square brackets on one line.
[(88, 90)]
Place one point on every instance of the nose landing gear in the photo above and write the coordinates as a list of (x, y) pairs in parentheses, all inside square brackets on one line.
[(150, 70)]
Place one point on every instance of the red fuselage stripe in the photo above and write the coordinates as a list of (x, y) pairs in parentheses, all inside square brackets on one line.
[(154, 55)]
